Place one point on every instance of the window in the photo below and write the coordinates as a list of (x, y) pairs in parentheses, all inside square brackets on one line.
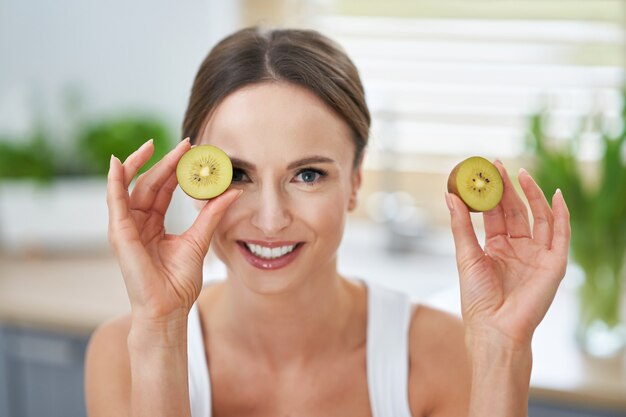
[(446, 79)]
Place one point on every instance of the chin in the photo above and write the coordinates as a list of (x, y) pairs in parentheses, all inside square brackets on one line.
[(269, 283)]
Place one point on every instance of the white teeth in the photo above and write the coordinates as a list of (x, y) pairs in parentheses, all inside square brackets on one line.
[(269, 253)]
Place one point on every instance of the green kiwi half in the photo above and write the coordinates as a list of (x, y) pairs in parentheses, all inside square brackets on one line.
[(204, 172), (477, 182)]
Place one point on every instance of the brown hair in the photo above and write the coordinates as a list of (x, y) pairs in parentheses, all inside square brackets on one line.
[(302, 57)]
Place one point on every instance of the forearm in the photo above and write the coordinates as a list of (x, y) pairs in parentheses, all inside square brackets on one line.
[(158, 363), (500, 379)]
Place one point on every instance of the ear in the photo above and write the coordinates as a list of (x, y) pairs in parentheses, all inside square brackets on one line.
[(357, 177)]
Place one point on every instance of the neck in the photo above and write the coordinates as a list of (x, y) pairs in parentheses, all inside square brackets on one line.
[(319, 315)]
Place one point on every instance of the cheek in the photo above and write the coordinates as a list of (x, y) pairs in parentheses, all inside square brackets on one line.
[(327, 210), (325, 214)]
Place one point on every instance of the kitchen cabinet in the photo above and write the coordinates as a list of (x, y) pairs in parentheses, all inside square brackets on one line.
[(41, 373), (541, 409), (48, 309)]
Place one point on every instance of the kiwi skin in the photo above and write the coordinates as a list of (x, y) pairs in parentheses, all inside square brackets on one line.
[(204, 172), (497, 183)]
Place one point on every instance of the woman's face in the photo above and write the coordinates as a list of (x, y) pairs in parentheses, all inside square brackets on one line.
[(293, 158)]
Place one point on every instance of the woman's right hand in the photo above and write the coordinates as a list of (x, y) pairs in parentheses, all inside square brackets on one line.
[(162, 272)]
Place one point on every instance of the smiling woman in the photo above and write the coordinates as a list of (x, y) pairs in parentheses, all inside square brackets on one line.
[(297, 191), (285, 333)]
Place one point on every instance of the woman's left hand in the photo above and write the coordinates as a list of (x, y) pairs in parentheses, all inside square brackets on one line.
[(508, 286)]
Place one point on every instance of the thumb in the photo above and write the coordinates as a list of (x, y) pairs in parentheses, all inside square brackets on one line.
[(466, 244), (203, 227)]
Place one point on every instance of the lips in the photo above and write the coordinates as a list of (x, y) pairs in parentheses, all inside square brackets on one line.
[(269, 255)]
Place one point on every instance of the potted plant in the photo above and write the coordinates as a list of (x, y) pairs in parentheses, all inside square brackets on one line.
[(28, 158), (120, 136), (596, 197), (52, 197)]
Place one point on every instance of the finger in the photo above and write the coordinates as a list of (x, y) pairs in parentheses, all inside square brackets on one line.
[(515, 213), (164, 197), (136, 160), (543, 220), (123, 234), (468, 249), (149, 223), (117, 196), (494, 222), (150, 182), (120, 223), (562, 232), (202, 229)]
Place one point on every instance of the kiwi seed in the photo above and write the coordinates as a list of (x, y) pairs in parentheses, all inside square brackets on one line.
[(477, 182), (204, 172)]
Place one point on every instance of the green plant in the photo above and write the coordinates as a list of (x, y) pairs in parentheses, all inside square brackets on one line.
[(120, 137), (37, 157), (30, 158), (598, 212)]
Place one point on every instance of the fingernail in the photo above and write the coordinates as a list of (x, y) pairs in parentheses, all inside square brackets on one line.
[(148, 142), (500, 165), (558, 191), (522, 171), (114, 161), (449, 202)]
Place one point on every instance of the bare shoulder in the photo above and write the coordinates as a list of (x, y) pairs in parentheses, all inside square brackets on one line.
[(107, 369), (107, 365), (439, 380)]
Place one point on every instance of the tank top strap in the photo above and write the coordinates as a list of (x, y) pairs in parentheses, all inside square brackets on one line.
[(199, 382), (389, 317)]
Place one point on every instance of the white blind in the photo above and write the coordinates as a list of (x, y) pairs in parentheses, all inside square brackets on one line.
[(441, 88)]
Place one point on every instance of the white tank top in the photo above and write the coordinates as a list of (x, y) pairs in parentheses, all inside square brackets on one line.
[(389, 316)]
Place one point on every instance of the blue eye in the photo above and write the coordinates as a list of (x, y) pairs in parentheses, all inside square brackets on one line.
[(310, 176), (239, 175)]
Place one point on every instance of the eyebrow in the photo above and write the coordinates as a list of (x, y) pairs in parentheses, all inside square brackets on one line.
[(316, 159)]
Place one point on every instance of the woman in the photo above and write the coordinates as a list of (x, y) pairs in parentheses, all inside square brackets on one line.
[(285, 334)]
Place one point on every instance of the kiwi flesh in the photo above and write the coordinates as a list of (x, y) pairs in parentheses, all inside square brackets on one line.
[(477, 182), (204, 172)]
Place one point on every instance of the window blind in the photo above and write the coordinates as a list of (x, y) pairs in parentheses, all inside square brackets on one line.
[(447, 87)]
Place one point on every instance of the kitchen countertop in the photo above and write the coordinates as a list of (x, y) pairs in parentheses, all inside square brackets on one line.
[(65, 294), (76, 294)]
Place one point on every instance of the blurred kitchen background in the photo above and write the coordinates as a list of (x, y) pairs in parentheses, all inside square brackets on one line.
[(538, 84)]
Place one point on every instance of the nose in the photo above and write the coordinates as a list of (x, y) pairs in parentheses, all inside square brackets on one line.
[(271, 214)]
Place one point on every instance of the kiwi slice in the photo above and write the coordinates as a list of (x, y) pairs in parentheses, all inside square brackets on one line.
[(204, 172), (477, 182)]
